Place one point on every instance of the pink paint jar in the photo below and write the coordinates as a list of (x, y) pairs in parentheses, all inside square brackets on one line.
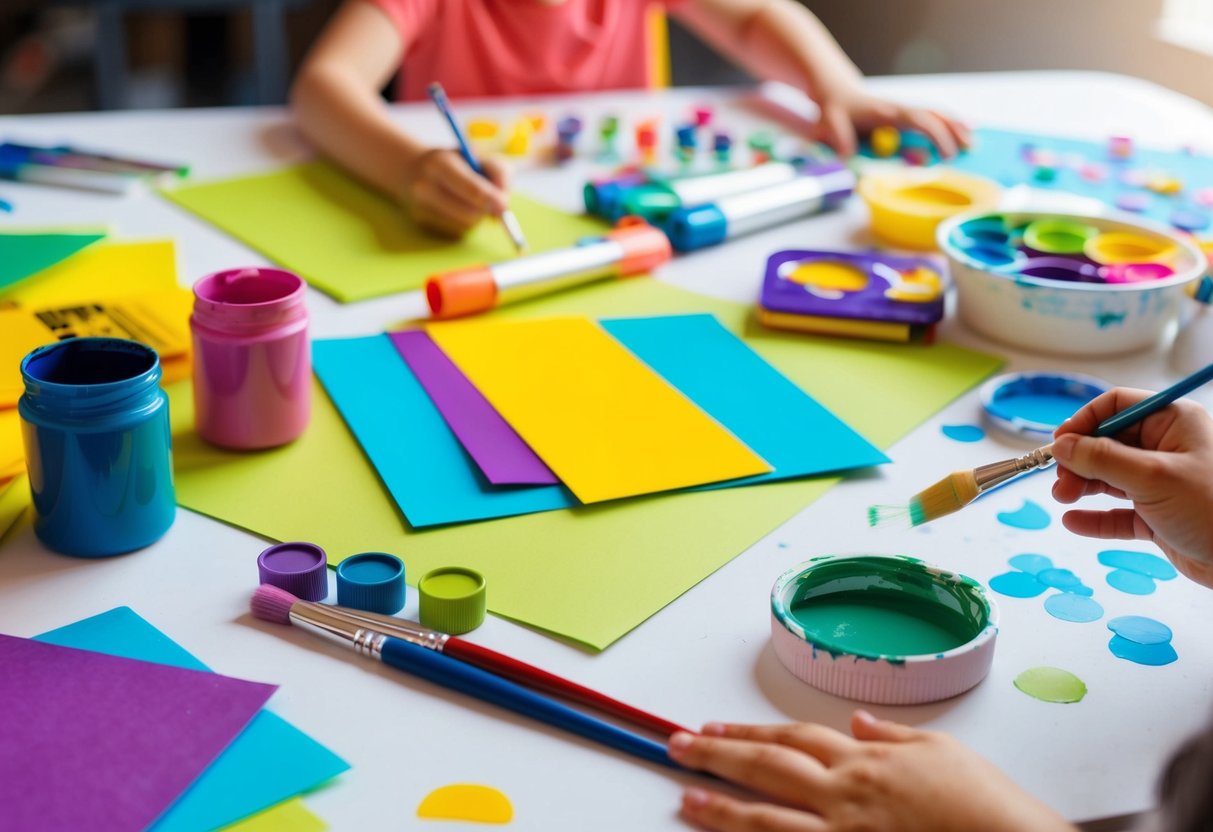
[(252, 359)]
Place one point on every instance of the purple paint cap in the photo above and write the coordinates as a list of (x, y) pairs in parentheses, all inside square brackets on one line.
[(299, 568), (371, 581)]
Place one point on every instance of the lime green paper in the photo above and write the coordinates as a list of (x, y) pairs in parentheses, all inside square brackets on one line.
[(590, 574), (288, 816), (350, 241)]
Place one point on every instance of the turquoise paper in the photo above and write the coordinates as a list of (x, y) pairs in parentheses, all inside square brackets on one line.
[(270, 761), (737, 387)]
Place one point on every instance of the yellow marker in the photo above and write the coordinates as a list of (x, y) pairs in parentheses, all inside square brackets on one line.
[(519, 142), (886, 140), (466, 801)]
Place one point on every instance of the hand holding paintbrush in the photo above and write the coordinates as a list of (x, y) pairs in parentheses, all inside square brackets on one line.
[(963, 487)]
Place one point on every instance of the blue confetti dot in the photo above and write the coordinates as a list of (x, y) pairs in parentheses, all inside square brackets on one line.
[(1017, 585), (1133, 583), (1139, 629), (1142, 563), (1029, 516), (964, 433), (1032, 564), (1058, 578), (1070, 607), (1153, 655)]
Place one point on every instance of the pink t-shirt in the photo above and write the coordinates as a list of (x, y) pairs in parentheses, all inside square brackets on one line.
[(520, 47)]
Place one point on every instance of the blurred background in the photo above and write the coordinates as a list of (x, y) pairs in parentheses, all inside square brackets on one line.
[(62, 55)]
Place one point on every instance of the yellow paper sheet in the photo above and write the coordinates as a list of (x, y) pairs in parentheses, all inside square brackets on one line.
[(103, 271), (593, 573), (601, 419), (14, 499), (12, 448), (288, 816), (350, 241)]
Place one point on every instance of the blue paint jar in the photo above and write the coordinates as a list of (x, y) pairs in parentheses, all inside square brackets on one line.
[(98, 446)]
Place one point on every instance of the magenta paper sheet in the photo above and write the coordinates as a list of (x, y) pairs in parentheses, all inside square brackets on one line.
[(498, 451), (93, 741)]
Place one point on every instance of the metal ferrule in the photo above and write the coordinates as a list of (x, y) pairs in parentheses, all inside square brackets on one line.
[(787, 201), (343, 623), (540, 273), (996, 473), (336, 628)]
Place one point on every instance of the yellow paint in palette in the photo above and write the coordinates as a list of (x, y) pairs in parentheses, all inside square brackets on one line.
[(604, 422), (466, 801)]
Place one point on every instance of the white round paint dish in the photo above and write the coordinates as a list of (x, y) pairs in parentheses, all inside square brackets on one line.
[(890, 630), (1033, 405)]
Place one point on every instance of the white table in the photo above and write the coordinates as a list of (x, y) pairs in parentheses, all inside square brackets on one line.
[(705, 656)]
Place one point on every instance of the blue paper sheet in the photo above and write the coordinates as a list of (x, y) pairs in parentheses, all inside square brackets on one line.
[(426, 470), (269, 762), (737, 387), (997, 155)]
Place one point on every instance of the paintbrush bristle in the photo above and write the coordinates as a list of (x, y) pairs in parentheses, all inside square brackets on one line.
[(271, 603), (950, 494)]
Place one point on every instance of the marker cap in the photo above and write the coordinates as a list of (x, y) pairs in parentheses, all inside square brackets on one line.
[(697, 227), (644, 247), (299, 568), (371, 581), (452, 599), (461, 292)]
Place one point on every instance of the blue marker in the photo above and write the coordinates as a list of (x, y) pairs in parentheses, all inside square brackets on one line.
[(438, 94), (817, 188)]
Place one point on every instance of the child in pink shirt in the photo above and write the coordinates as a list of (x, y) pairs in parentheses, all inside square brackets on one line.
[(521, 47)]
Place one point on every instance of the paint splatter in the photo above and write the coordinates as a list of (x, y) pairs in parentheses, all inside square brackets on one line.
[(964, 433), (1032, 564), (467, 801), (1140, 629), (1062, 579), (1068, 606), (1152, 655), (1051, 684), (1135, 572), (1029, 516), (1017, 585)]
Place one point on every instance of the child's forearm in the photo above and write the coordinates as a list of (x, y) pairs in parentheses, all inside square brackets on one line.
[(774, 39), (349, 123)]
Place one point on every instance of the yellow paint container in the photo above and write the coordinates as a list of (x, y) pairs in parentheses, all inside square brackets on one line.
[(907, 206)]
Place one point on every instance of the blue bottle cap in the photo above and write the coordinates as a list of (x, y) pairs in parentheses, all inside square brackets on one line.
[(697, 227), (299, 568), (371, 581)]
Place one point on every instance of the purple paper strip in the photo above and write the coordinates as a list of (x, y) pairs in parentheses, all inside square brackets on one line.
[(93, 741), (499, 452)]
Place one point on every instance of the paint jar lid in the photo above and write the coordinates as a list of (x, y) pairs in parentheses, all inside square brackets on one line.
[(1033, 405), (926, 634), (299, 568), (452, 599), (371, 581)]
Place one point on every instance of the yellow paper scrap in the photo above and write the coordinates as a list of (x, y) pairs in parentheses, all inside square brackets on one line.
[(287, 816), (14, 499), (600, 418), (467, 801)]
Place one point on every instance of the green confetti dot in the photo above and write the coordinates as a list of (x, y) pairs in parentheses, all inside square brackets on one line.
[(1051, 684)]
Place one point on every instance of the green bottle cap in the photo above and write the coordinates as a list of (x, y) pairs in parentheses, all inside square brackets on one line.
[(452, 599)]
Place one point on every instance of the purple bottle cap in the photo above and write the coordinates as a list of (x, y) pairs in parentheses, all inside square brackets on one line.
[(299, 568)]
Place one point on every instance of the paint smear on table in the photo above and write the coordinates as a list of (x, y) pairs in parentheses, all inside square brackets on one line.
[(1029, 516), (964, 433), (1051, 684), (1135, 572), (1069, 606), (1017, 585), (1141, 640), (1032, 564), (1153, 655), (1140, 629), (467, 801)]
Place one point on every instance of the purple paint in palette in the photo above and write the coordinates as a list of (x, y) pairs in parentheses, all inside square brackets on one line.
[(496, 448)]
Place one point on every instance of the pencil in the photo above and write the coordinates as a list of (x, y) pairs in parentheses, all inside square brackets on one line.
[(438, 94)]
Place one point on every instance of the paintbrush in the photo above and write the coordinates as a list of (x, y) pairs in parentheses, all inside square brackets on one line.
[(278, 605), (957, 490)]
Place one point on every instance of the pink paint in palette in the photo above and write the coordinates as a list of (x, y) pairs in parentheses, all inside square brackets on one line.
[(93, 741)]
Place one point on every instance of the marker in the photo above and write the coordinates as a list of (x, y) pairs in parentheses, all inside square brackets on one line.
[(65, 156), (438, 94), (85, 180), (815, 189), (633, 248)]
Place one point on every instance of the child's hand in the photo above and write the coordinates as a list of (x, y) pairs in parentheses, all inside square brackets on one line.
[(889, 777), (851, 112), (1163, 465), (441, 193)]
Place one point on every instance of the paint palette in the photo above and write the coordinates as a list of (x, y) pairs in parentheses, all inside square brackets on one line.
[(906, 206), (882, 629)]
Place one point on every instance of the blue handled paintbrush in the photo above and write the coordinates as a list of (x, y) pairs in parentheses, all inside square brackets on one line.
[(957, 490)]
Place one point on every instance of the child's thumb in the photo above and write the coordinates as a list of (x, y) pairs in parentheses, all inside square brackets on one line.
[(1103, 458)]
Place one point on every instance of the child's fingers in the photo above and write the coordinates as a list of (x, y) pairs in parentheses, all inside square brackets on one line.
[(498, 171), (1100, 408), (1132, 470), (1117, 524), (824, 743), (959, 130), (724, 814), (453, 173), (777, 771), (870, 729), (935, 128), (835, 128), (1070, 488), (434, 207)]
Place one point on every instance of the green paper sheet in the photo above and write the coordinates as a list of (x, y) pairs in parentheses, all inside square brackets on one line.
[(353, 243), (593, 573), (24, 254)]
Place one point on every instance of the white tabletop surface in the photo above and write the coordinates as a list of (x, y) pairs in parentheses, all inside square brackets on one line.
[(706, 656)]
